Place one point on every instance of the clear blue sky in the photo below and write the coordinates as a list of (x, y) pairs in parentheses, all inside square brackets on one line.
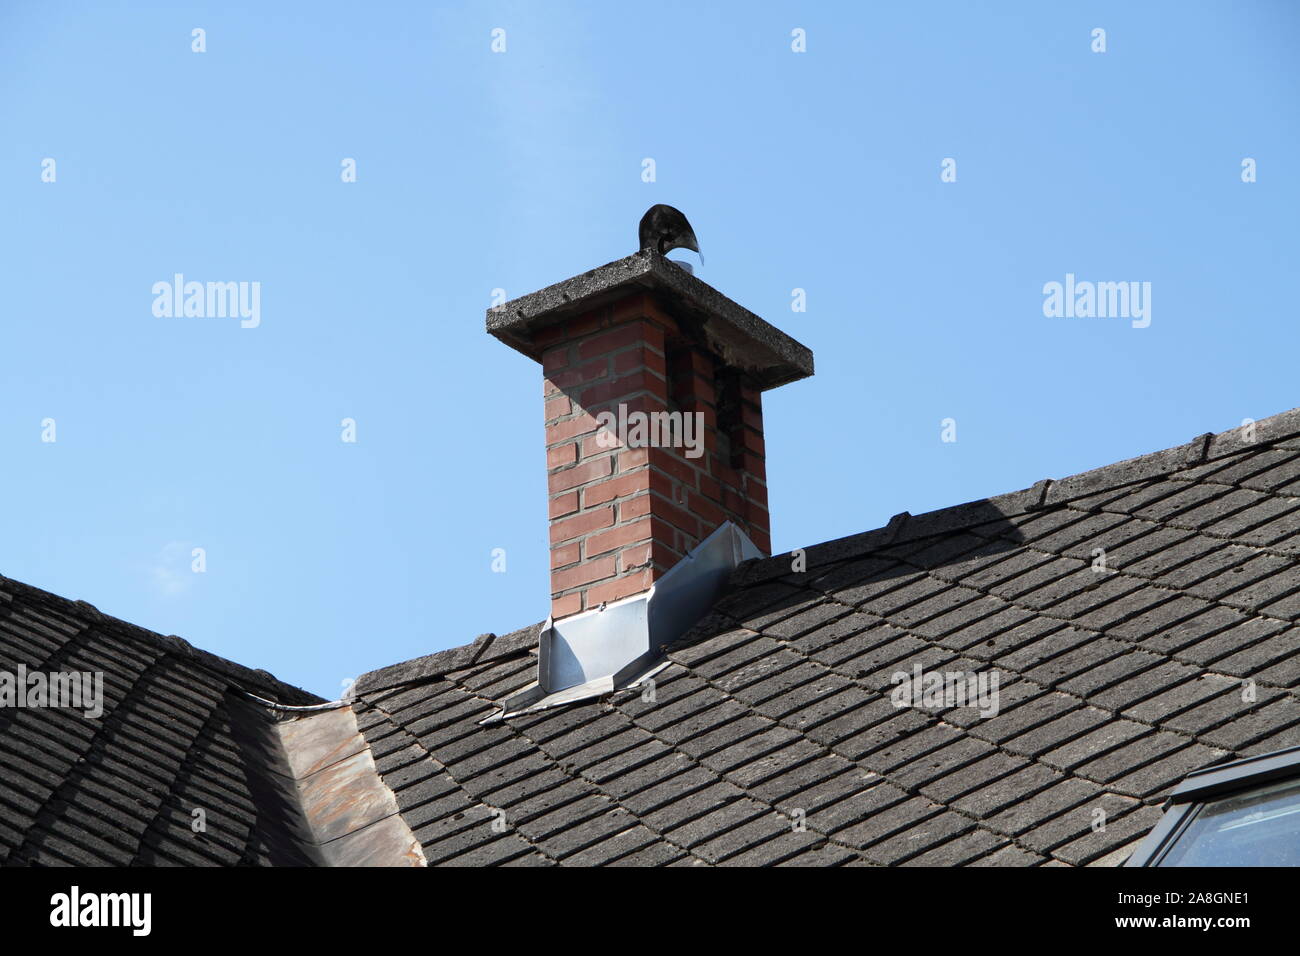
[(479, 170)]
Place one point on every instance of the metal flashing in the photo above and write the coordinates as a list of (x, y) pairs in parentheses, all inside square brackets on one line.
[(596, 652)]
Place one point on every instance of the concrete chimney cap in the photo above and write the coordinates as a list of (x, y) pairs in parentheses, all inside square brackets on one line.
[(739, 337)]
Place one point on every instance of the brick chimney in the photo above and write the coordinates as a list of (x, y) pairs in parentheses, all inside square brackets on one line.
[(628, 352)]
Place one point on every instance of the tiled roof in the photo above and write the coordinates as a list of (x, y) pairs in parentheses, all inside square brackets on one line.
[(122, 788), (1141, 619), (771, 737)]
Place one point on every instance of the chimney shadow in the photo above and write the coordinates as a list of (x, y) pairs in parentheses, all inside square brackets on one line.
[(766, 589)]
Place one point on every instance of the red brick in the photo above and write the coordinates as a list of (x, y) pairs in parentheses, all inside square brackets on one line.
[(586, 324), (680, 518), (693, 388), (692, 362), (601, 443), (619, 487), (649, 404), (657, 553), (545, 338), (562, 505), (752, 441), (566, 605), (625, 585), (623, 389), (620, 337), (580, 474), (584, 573), (641, 358), (644, 307), (618, 537), (574, 377), (558, 408), (633, 458), (665, 485), (727, 475), (630, 307), (652, 310), (555, 358), (634, 508), (565, 554), (637, 556), (664, 502), (581, 524), (666, 460), (710, 417), (705, 510), (560, 455), (734, 502), (571, 428)]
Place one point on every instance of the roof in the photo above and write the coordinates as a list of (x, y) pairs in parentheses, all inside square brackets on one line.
[(1141, 619), (744, 340), (122, 788), (770, 736)]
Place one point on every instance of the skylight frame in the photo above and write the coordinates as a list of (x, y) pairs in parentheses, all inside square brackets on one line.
[(1200, 787)]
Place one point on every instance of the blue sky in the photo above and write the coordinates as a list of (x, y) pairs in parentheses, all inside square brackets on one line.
[(479, 170)]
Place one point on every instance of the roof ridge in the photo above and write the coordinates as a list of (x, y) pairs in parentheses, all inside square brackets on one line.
[(169, 643), (484, 648), (901, 528), (1045, 493)]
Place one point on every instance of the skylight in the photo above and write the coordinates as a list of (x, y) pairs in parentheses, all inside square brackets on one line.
[(1244, 813)]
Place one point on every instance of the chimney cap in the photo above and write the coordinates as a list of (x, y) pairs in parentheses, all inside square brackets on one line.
[(735, 334)]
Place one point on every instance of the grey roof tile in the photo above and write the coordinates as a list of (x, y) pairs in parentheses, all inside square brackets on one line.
[(771, 737), (1069, 726), (785, 848), (915, 840), (1002, 793), (1095, 811), (824, 775), (1009, 855), (1220, 709), (963, 847), (681, 810), (1116, 833), (1161, 773), (1057, 798), (986, 770), (882, 824)]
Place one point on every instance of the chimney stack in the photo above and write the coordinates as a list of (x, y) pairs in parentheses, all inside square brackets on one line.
[(652, 389)]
